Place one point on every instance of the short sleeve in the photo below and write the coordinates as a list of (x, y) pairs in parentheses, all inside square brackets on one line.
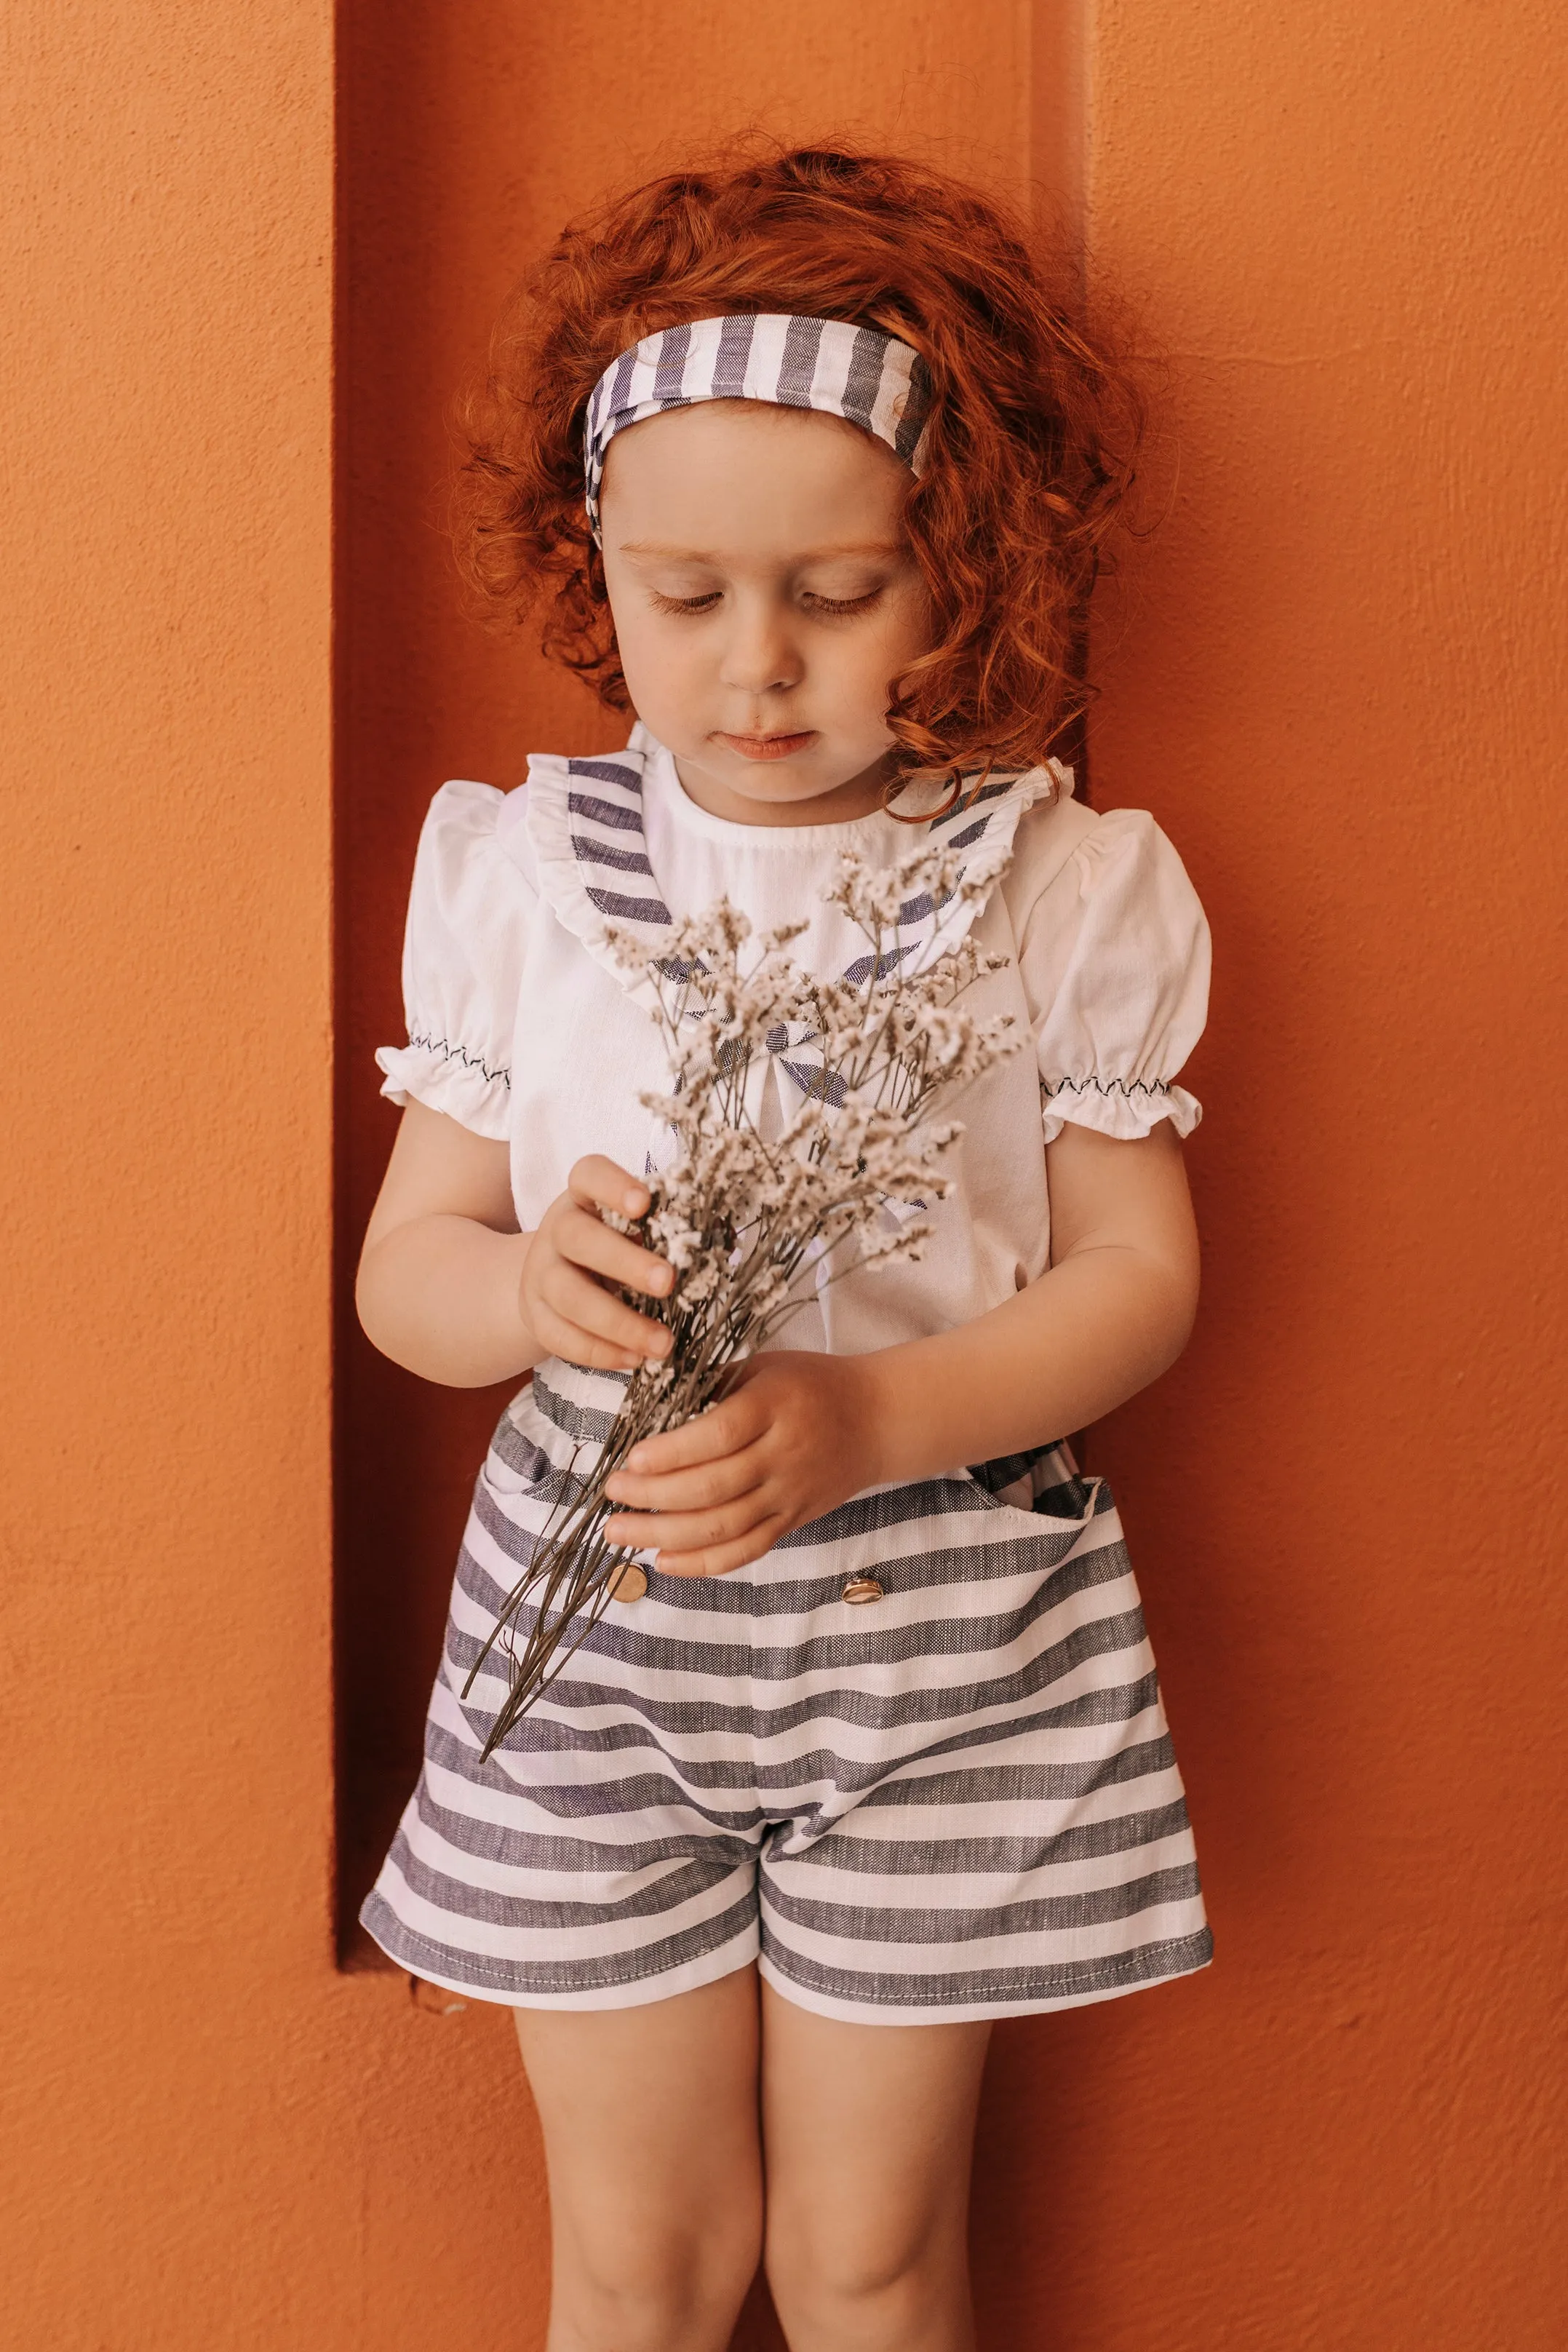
[(1114, 962), (462, 965)]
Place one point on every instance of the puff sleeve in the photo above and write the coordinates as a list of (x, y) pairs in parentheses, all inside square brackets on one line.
[(462, 965), (1114, 960)]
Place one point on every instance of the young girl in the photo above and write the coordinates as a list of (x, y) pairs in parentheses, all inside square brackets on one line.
[(811, 468)]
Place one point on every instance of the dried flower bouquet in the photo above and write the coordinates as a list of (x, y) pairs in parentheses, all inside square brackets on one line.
[(754, 1224)]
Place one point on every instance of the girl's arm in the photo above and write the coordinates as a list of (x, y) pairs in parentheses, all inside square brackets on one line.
[(449, 1288), (1113, 1312), (802, 1432)]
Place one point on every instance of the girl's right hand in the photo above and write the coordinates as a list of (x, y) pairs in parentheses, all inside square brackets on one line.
[(564, 1294)]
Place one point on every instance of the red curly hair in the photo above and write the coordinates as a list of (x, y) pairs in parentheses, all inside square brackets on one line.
[(1034, 421)]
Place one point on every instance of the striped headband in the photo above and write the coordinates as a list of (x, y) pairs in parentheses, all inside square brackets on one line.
[(857, 373)]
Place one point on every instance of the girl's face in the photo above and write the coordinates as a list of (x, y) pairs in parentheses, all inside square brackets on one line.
[(764, 598)]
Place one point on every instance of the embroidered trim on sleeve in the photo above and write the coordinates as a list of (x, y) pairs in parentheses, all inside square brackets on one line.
[(451, 1053), (1128, 1087)]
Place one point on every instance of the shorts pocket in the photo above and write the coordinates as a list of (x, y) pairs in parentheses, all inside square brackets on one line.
[(1045, 1483)]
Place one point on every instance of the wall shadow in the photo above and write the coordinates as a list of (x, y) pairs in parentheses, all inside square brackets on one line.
[(435, 222)]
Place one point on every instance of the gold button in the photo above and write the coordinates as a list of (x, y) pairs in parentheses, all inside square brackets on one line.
[(631, 1584), (861, 1589)]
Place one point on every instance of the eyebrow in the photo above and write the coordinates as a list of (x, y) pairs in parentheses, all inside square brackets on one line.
[(811, 555)]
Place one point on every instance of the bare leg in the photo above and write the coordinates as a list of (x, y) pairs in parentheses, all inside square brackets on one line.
[(655, 2180), (868, 2131)]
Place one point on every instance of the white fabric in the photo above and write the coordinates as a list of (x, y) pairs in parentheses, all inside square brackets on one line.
[(522, 1031)]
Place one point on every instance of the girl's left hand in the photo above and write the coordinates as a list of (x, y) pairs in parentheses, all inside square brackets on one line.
[(794, 1438)]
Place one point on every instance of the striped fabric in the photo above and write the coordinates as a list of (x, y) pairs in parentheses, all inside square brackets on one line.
[(605, 801), (958, 1801), (857, 373)]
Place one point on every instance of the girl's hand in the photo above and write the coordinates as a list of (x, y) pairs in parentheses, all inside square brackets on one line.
[(794, 1438), (563, 1294)]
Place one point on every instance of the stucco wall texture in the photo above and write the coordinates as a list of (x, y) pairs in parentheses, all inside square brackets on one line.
[(1333, 674)]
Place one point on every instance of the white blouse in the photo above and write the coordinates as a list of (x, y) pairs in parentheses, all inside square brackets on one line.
[(523, 1029)]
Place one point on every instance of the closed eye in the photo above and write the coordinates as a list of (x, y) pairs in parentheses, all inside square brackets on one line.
[(683, 603), (835, 605)]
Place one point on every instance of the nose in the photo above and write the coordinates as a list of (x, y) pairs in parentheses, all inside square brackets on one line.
[(760, 655)]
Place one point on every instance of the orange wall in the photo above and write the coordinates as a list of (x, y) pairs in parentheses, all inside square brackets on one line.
[(1342, 678), (1333, 678)]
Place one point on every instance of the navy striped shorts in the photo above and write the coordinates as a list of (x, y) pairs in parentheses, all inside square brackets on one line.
[(957, 1802)]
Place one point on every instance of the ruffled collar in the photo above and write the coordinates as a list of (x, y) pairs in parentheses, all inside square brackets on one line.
[(585, 823)]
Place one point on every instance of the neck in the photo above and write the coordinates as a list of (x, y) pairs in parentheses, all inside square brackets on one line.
[(861, 795)]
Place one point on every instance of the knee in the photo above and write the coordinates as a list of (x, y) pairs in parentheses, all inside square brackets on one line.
[(635, 2292), (835, 2282)]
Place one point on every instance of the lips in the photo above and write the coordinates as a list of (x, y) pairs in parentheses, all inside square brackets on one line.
[(769, 747)]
